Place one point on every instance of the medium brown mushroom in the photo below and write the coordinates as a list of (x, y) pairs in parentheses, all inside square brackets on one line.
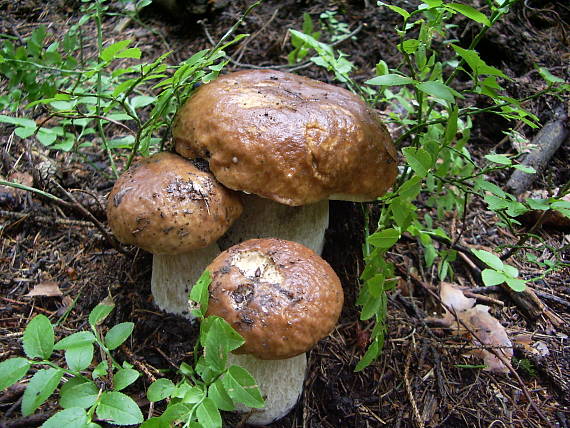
[(282, 298), (294, 141), (174, 210)]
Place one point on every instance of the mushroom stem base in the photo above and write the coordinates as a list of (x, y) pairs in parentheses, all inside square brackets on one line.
[(173, 276), (280, 381), (264, 218)]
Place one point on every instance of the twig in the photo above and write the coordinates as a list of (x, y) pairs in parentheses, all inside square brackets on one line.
[(112, 241), (409, 392), (45, 219)]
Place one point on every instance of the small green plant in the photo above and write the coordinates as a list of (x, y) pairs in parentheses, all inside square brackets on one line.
[(439, 171), (499, 272), (209, 385), (113, 93), (89, 389)]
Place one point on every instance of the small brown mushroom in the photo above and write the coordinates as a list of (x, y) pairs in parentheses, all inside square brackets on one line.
[(282, 298), (293, 141), (169, 207)]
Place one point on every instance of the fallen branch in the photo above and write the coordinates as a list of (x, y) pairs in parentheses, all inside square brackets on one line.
[(547, 142)]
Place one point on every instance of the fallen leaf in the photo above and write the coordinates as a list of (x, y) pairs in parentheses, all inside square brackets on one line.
[(46, 288), (488, 331)]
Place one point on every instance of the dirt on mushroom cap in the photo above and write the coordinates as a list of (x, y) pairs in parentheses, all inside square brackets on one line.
[(279, 295), (166, 205), (288, 138)]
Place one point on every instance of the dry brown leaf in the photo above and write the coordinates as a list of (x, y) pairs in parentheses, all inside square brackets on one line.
[(46, 288), (488, 330)]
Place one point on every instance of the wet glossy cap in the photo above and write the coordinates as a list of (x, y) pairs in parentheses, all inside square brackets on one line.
[(166, 205), (288, 138), (279, 295)]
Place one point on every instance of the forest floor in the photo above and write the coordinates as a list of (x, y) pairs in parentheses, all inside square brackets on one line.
[(424, 376)]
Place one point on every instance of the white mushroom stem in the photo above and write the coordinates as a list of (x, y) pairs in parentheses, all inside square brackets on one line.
[(264, 218), (280, 381), (173, 276)]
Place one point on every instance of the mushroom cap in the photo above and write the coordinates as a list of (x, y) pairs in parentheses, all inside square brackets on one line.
[(288, 138), (166, 205), (279, 295)]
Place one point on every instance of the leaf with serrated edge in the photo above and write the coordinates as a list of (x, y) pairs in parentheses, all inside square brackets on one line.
[(118, 408), (78, 392), (12, 370), (80, 338), (208, 414), (41, 386), (241, 387), (79, 357), (124, 377), (73, 417), (160, 389)]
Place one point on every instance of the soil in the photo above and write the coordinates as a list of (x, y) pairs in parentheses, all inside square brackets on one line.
[(423, 377)]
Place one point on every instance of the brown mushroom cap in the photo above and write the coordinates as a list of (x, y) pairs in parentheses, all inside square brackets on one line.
[(279, 295), (286, 137), (166, 205)]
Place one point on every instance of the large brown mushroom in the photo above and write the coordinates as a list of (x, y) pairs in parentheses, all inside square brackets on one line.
[(174, 210), (282, 298), (293, 141)]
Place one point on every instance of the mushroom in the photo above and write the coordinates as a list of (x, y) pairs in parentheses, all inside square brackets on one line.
[(169, 207), (293, 141), (282, 298)]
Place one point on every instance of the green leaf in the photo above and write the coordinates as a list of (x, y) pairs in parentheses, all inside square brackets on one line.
[(141, 101), (396, 9), (39, 338), (199, 294), (41, 386), (242, 387), (129, 53), (419, 159), (156, 422), (99, 313), (111, 52), (12, 370), (218, 338), (470, 13), (546, 75), (69, 418), (80, 338), (178, 411), (384, 238), (118, 408), (118, 334), (516, 284), (124, 377), (208, 414), (100, 370), (217, 392), (389, 80), (525, 168), (499, 159), (490, 187), (193, 395), (79, 357), (510, 270), (479, 66), (492, 277), (409, 46), (437, 90), (78, 392), (489, 259), (371, 354), (160, 389)]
